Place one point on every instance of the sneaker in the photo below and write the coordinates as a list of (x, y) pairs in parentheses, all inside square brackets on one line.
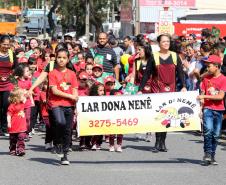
[(98, 147), (20, 153), (6, 134), (107, 140), (59, 151), (30, 135), (213, 161), (119, 148), (48, 146), (207, 157), (33, 131), (12, 152), (111, 149), (70, 149), (94, 147), (64, 160)]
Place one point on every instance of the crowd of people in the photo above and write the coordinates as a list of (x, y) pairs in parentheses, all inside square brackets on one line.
[(41, 81)]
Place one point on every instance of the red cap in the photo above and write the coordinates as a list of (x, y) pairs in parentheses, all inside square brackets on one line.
[(214, 59), (98, 65), (23, 60), (83, 75), (109, 79)]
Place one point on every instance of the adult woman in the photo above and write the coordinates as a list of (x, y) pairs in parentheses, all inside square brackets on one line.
[(142, 59), (7, 63), (33, 43), (163, 78)]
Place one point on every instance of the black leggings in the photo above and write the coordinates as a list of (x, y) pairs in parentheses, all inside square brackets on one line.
[(4, 104), (63, 117)]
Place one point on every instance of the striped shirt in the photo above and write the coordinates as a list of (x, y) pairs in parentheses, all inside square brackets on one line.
[(109, 60)]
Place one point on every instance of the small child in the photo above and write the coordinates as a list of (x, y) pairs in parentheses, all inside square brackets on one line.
[(89, 69), (118, 148), (17, 122), (97, 90), (83, 90), (109, 84), (24, 82), (213, 88)]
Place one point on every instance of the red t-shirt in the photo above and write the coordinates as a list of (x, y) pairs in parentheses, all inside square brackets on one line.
[(18, 119), (43, 104), (82, 91), (65, 82), (211, 86), (5, 71), (36, 95), (25, 84)]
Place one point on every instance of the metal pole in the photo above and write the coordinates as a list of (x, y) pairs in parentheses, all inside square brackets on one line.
[(137, 24), (44, 26), (87, 20)]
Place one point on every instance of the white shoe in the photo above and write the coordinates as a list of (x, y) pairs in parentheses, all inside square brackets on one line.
[(111, 149), (6, 134), (94, 147), (48, 146), (33, 131), (30, 135), (119, 148)]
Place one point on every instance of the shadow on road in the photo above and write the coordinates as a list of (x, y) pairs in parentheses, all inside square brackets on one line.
[(36, 148), (46, 161), (143, 148)]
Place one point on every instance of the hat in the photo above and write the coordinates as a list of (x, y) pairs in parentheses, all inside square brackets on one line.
[(214, 59), (23, 60), (83, 75), (98, 65), (109, 79), (152, 37)]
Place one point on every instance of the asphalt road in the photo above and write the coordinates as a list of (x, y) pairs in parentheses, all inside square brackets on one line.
[(136, 165)]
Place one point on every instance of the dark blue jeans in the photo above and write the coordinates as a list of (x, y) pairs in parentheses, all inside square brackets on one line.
[(212, 122), (63, 117)]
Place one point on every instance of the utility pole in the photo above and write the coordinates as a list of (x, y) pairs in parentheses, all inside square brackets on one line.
[(87, 20), (44, 26), (137, 17)]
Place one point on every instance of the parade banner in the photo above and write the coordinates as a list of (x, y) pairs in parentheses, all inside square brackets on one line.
[(127, 114)]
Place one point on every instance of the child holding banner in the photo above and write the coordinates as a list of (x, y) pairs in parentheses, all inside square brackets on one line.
[(97, 89), (118, 148), (213, 88)]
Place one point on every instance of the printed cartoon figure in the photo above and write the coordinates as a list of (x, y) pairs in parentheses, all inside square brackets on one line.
[(65, 86), (167, 116), (21, 114), (184, 114), (213, 91)]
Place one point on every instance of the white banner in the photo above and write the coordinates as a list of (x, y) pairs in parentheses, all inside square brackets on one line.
[(100, 115)]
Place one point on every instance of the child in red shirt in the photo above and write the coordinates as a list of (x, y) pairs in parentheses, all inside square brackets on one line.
[(24, 82), (117, 148), (213, 88), (97, 90), (89, 70), (17, 122), (62, 97)]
